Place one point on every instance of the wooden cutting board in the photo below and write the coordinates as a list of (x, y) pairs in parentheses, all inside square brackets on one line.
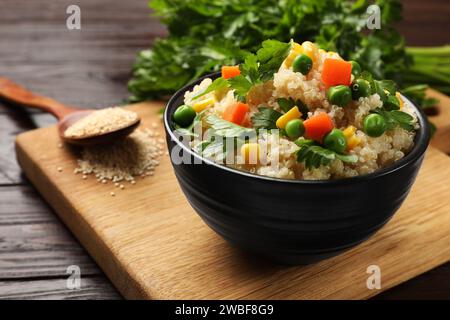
[(152, 245)]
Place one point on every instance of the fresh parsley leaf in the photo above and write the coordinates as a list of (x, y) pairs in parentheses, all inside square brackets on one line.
[(382, 87), (227, 129), (389, 86), (287, 104), (241, 86), (217, 85), (314, 156), (366, 76), (222, 131), (271, 56), (259, 68), (403, 119), (301, 142), (378, 89), (265, 118), (396, 118), (250, 69)]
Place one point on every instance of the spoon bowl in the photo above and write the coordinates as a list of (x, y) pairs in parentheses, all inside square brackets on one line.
[(96, 139), (66, 115)]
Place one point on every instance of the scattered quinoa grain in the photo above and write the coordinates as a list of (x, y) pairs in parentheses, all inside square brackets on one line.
[(59, 169), (123, 160), (113, 194)]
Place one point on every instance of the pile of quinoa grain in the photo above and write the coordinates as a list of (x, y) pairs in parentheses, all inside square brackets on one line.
[(100, 122), (124, 160)]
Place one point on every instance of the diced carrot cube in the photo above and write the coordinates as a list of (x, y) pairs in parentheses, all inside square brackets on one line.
[(336, 72), (230, 71)]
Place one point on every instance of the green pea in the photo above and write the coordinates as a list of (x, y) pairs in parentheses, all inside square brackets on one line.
[(184, 115), (295, 128), (302, 63), (339, 95), (335, 140), (356, 68), (360, 88), (374, 125), (392, 103)]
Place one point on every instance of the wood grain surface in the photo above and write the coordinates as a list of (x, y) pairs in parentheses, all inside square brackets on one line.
[(91, 68), (152, 245)]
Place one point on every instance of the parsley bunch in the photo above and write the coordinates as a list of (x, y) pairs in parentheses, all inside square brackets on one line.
[(206, 34)]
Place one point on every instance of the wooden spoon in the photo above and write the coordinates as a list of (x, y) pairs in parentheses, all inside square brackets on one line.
[(66, 115)]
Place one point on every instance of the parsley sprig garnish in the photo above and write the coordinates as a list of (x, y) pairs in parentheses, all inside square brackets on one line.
[(217, 84), (287, 104), (265, 118), (221, 131), (314, 155), (256, 69), (395, 118), (225, 128), (382, 87)]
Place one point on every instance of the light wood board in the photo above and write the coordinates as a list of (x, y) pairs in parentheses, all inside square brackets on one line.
[(152, 245)]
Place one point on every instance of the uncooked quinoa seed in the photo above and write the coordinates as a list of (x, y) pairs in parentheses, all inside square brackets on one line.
[(100, 122)]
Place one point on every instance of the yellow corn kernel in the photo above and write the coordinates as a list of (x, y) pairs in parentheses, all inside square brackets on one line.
[(310, 49), (203, 104), (400, 100), (250, 153), (349, 131), (292, 114), (297, 48), (352, 142), (295, 51)]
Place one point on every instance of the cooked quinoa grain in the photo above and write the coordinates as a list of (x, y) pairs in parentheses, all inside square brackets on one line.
[(368, 153)]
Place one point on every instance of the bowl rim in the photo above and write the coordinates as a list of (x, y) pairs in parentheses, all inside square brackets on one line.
[(421, 142)]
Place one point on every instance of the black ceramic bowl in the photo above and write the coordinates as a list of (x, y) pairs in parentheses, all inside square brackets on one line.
[(293, 221)]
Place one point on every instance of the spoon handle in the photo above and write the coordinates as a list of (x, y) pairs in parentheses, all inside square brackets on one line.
[(17, 94)]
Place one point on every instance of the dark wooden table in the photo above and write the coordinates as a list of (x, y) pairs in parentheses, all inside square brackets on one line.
[(91, 68)]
